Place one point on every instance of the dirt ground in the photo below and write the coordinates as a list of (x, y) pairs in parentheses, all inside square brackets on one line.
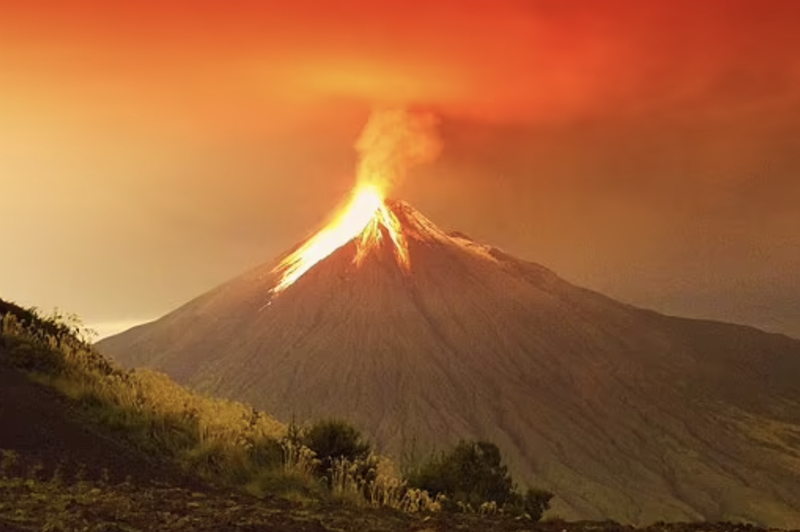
[(41, 426), (96, 507)]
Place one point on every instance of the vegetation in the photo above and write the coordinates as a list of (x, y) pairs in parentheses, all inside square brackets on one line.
[(335, 440), (222, 441), (230, 445), (33, 501), (472, 476)]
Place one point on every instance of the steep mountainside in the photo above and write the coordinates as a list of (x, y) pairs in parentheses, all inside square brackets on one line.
[(622, 412)]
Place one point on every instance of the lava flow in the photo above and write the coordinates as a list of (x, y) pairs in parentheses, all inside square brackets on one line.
[(363, 218), (391, 142)]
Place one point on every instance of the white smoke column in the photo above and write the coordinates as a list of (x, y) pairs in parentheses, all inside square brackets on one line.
[(392, 142)]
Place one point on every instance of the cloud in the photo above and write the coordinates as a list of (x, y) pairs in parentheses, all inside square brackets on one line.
[(534, 61), (545, 61), (506, 60)]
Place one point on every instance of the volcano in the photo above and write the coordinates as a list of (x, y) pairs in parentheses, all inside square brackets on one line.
[(623, 413)]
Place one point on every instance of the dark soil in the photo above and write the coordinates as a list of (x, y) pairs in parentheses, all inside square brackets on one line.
[(28, 505), (44, 428)]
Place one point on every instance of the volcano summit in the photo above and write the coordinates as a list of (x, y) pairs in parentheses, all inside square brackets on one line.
[(623, 413)]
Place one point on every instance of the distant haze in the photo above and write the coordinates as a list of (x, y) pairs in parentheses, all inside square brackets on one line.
[(105, 329), (648, 150)]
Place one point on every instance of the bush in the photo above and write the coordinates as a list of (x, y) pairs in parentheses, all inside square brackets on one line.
[(536, 502), (334, 440), (473, 474)]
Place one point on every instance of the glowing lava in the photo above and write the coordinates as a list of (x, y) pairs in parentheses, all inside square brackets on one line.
[(391, 143), (362, 219)]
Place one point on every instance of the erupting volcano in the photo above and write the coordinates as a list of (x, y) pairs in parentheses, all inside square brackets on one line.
[(391, 142), (420, 337)]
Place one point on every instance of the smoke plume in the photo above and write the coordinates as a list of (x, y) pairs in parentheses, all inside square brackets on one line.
[(392, 142)]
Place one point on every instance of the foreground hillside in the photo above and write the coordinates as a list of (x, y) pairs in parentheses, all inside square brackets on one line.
[(623, 413), (85, 446)]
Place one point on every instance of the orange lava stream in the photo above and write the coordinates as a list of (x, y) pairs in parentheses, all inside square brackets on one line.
[(372, 236), (361, 219)]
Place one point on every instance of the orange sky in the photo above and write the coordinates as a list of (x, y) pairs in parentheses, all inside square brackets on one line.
[(650, 150)]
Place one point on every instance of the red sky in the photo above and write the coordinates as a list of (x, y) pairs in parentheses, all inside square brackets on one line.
[(649, 150)]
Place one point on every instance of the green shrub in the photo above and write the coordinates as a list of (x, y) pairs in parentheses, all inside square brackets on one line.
[(333, 440), (472, 475), (536, 502)]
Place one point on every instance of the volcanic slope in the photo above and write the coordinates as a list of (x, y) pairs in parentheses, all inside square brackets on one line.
[(624, 413)]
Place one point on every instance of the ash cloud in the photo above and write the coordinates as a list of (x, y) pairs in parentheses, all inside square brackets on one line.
[(546, 62)]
